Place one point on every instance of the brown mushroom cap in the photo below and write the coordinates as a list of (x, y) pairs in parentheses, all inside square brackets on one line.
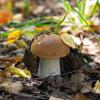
[(49, 46)]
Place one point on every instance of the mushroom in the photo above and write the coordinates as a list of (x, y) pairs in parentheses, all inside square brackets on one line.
[(50, 48)]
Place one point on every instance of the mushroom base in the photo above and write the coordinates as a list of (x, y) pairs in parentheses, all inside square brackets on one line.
[(49, 67)]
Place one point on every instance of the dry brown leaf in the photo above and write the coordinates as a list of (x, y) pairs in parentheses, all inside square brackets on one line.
[(97, 59), (57, 95), (38, 10), (80, 97), (90, 47), (14, 59), (12, 87), (86, 88)]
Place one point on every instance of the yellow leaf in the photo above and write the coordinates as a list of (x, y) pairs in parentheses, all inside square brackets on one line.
[(8, 5), (96, 89), (5, 16), (67, 39), (27, 72), (23, 73), (13, 36), (42, 28)]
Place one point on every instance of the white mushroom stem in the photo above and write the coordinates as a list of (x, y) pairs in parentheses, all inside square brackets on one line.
[(49, 67)]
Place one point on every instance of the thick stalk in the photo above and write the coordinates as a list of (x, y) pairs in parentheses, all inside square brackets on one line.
[(49, 67)]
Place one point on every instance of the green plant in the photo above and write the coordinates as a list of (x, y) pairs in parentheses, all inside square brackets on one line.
[(80, 9)]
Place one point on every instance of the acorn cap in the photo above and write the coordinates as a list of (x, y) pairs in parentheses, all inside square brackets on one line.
[(49, 46)]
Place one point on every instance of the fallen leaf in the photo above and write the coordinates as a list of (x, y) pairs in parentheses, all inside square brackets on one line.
[(38, 10), (97, 59), (90, 46), (67, 39), (13, 36), (77, 40), (17, 59), (94, 28), (41, 28), (5, 17), (96, 89), (57, 95), (22, 73), (12, 87), (77, 80), (80, 97), (18, 17), (86, 87)]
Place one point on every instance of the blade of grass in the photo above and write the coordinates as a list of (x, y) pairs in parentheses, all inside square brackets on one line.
[(93, 9), (32, 22), (60, 21), (26, 7), (85, 21), (67, 6), (4, 34), (68, 9), (81, 7)]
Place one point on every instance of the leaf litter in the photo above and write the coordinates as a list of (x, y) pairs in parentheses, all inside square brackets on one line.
[(80, 70)]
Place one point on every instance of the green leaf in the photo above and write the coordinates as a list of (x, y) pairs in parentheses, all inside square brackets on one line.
[(67, 6)]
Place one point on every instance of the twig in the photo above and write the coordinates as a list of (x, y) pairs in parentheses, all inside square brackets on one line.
[(31, 96)]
